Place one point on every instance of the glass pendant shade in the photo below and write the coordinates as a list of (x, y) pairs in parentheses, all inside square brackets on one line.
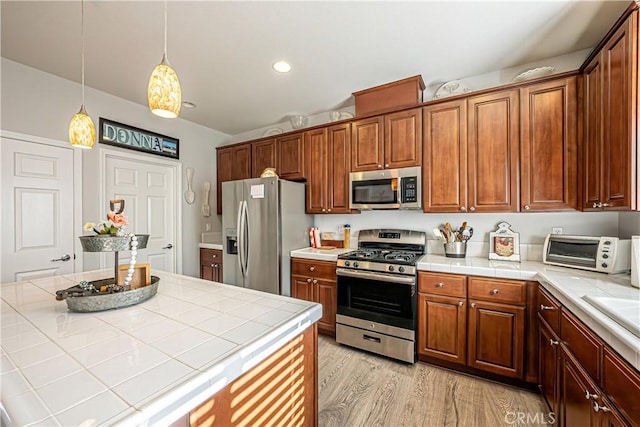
[(164, 93), (82, 132)]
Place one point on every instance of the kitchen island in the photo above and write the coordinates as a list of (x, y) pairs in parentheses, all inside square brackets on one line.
[(196, 352)]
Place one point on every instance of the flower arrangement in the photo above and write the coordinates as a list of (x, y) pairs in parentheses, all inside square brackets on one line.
[(113, 226)]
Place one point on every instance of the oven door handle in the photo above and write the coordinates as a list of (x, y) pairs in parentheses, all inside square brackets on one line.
[(393, 278)]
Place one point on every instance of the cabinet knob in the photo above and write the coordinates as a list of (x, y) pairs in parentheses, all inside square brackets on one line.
[(315, 281), (460, 303), (472, 209), (323, 210), (527, 207), (379, 166), (328, 210), (598, 408), (462, 208), (595, 205), (309, 280), (473, 305), (588, 395), (386, 165), (212, 265), (495, 291), (312, 268), (546, 307), (214, 256), (553, 342), (440, 285)]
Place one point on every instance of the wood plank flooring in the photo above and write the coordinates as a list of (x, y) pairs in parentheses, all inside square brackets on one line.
[(356, 388)]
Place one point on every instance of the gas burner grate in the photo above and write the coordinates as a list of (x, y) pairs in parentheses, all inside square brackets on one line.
[(400, 256)]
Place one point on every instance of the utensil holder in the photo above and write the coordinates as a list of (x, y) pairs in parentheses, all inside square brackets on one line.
[(455, 249)]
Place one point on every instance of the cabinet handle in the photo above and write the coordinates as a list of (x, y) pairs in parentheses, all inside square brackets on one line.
[(460, 303), (472, 209), (309, 280), (546, 307), (495, 292), (439, 285), (604, 205), (595, 205), (462, 208), (553, 342), (312, 268), (527, 207), (598, 408), (473, 305), (315, 281), (588, 395)]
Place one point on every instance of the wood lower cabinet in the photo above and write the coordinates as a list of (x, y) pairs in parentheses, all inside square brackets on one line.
[(290, 152), (233, 163), (548, 146), (549, 366), (263, 155), (443, 327), (577, 407), (211, 264), (317, 281)]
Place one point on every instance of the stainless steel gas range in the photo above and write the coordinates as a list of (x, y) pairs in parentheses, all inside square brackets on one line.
[(377, 293)]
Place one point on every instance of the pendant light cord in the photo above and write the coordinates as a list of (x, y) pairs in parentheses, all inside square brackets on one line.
[(165, 28), (82, 37)]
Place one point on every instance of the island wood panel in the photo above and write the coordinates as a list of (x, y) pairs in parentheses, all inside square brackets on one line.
[(290, 150), (493, 141), (403, 139), (263, 155), (548, 147), (444, 174), (367, 144), (281, 390)]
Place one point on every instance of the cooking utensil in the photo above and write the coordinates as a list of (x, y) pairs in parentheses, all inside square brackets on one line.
[(206, 210), (189, 195)]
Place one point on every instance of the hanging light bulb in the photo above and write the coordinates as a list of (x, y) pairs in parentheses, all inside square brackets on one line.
[(82, 131), (164, 93)]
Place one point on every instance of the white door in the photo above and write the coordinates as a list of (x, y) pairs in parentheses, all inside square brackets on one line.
[(37, 210), (149, 191)]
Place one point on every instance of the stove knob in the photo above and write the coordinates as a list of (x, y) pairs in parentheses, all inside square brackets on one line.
[(401, 269), (391, 268), (355, 264), (347, 263)]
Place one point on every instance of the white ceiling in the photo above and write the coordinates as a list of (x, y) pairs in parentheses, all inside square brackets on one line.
[(223, 50)]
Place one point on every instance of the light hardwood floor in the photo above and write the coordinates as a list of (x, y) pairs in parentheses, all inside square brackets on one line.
[(356, 388)]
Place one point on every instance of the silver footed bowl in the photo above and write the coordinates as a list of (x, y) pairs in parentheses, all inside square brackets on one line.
[(107, 243)]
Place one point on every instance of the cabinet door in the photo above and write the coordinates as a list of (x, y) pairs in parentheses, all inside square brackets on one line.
[(291, 156), (316, 164), (576, 409), (444, 173), (493, 140), (241, 162), (496, 338), (548, 148), (592, 140), (403, 139), (622, 385), (217, 271), (339, 162), (263, 155), (366, 144), (549, 368), (224, 172), (442, 326), (619, 97), (302, 288), (326, 294), (207, 272)]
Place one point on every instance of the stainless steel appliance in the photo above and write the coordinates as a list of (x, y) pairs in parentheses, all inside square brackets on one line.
[(386, 189), (263, 219), (594, 253), (377, 296)]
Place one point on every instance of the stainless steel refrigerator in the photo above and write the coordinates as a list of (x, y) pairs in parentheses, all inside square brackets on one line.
[(263, 219)]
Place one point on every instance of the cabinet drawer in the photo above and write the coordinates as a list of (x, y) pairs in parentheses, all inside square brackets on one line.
[(549, 310), (209, 256), (582, 343), (497, 290), (443, 284), (622, 384), (312, 268)]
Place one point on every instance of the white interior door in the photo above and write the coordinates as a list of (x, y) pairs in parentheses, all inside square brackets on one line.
[(37, 210), (149, 192)]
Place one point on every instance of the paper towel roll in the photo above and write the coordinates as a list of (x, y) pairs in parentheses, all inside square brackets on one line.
[(635, 261)]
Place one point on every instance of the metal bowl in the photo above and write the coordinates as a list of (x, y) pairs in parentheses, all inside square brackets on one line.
[(87, 304), (106, 243)]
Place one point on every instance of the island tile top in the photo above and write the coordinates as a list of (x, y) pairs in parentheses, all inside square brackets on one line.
[(145, 364)]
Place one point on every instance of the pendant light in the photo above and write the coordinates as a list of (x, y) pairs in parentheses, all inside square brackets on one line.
[(82, 131), (164, 93)]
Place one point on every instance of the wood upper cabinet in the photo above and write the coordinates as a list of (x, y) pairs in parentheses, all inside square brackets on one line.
[(232, 163), (386, 142), (290, 151), (444, 173), (548, 146), (493, 141), (327, 160), (263, 155), (610, 122)]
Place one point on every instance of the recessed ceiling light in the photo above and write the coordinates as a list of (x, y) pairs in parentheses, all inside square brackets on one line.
[(188, 104), (282, 67)]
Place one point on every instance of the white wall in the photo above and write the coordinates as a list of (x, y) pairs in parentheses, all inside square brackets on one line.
[(41, 104), (533, 227), (629, 223)]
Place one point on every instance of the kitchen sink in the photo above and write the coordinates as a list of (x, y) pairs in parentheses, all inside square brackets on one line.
[(625, 312)]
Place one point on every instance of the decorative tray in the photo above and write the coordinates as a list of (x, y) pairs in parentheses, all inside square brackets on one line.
[(87, 297)]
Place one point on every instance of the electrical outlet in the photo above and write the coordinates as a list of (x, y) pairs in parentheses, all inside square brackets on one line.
[(556, 230), (207, 226)]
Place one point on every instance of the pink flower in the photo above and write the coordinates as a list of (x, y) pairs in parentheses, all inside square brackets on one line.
[(118, 220)]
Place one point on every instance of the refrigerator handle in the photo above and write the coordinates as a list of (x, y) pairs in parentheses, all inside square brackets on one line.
[(239, 238), (247, 240)]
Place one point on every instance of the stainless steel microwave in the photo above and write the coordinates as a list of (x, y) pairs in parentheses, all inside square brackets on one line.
[(386, 189), (594, 253)]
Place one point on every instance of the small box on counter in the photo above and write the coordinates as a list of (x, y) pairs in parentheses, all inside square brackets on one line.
[(333, 243)]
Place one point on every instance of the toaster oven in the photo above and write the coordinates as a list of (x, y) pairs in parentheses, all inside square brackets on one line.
[(595, 253)]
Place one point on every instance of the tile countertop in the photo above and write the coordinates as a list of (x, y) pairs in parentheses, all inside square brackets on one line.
[(147, 364), (217, 246)]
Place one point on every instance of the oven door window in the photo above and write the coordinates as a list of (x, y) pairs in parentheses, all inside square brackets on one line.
[(574, 252), (376, 192), (378, 301)]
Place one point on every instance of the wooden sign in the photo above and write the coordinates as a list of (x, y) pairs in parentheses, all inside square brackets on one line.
[(133, 138)]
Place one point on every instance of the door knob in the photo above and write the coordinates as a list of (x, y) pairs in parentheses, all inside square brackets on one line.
[(63, 259), (169, 246)]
